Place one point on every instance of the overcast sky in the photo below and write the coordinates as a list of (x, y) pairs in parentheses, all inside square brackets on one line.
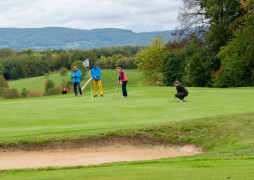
[(136, 15)]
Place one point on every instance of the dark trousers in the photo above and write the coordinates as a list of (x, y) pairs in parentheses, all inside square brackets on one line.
[(75, 88), (124, 84), (181, 95)]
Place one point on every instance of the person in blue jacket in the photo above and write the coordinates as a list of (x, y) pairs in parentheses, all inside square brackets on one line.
[(96, 75), (76, 77)]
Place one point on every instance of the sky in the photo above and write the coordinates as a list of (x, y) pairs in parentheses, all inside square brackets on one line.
[(136, 15)]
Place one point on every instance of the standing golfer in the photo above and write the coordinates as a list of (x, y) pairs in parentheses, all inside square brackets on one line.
[(76, 76), (122, 80), (96, 74), (181, 91)]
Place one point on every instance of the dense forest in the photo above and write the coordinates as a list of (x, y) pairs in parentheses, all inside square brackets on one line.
[(219, 52), (29, 63)]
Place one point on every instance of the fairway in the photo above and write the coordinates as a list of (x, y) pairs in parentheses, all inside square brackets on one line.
[(65, 115), (162, 170)]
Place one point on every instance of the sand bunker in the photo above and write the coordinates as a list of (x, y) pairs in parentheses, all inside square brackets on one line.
[(17, 159)]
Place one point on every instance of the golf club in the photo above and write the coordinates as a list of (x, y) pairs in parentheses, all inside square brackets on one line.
[(116, 90)]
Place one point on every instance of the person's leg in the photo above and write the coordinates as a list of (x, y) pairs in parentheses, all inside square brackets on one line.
[(185, 96), (75, 88), (95, 88), (79, 88), (180, 96), (100, 87), (124, 88)]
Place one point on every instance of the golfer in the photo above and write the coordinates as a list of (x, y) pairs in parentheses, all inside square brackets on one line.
[(76, 76), (181, 91), (96, 74), (122, 80)]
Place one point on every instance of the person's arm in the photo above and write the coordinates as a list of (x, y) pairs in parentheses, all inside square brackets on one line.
[(178, 88), (92, 73), (99, 72), (121, 77), (72, 75)]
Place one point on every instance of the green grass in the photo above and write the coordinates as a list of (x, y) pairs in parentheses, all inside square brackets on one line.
[(66, 115), (161, 169), (109, 80), (220, 120)]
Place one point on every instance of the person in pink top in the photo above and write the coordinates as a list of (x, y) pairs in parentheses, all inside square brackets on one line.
[(122, 80)]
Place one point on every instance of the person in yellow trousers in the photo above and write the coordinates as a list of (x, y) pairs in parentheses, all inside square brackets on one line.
[(96, 75)]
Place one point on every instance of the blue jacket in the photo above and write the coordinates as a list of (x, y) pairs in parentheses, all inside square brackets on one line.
[(96, 72), (77, 77)]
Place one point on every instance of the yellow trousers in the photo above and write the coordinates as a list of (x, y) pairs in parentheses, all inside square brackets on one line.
[(95, 83)]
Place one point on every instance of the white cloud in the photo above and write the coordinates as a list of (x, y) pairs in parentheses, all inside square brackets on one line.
[(139, 16)]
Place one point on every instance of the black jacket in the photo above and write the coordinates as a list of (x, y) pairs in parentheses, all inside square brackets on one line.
[(181, 89)]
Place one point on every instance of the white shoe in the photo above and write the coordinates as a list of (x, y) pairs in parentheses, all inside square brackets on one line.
[(182, 100)]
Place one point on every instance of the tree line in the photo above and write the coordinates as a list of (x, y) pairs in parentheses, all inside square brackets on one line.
[(29, 63), (215, 48)]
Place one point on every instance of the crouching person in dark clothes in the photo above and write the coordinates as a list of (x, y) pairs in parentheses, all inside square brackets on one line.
[(181, 91)]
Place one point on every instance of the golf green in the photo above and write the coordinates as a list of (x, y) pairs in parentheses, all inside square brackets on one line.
[(34, 118)]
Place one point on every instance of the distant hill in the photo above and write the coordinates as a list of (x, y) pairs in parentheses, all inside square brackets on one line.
[(67, 38)]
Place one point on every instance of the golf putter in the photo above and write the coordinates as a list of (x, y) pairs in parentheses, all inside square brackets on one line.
[(115, 91)]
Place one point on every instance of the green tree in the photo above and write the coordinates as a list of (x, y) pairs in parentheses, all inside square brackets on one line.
[(150, 61), (200, 70), (3, 84), (1, 69), (237, 55)]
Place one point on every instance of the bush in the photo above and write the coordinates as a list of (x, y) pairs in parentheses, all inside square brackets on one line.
[(34, 94), (69, 84), (49, 84), (53, 91), (11, 94), (24, 92), (63, 71)]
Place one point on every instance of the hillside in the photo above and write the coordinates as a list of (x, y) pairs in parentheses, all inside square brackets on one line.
[(67, 38)]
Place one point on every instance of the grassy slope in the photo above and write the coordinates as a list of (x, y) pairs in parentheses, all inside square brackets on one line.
[(109, 80)]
